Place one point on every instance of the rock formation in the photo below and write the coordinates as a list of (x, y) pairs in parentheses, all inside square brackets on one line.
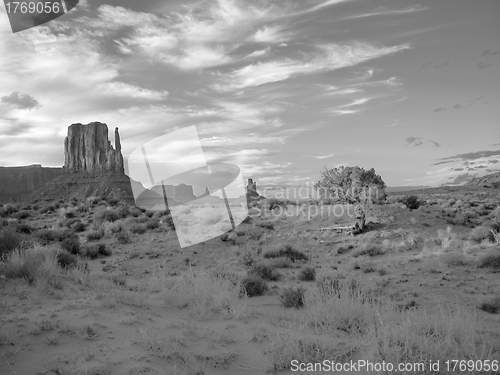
[(19, 182), (88, 149), (252, 194), (491, 180)]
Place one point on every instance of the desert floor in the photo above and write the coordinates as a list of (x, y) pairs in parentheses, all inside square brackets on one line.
[(416, 285)]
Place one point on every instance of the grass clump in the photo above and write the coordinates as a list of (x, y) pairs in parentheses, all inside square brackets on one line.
[(9, 241), (45, 236), (92, 251), (71, 245), (293, 297), (491, 260), (287, 251), (25, 228), (66, 260), (123, 238), (307, 274), (370, 250), (253, 286), (95, 235), (138, 228), (265, 272)]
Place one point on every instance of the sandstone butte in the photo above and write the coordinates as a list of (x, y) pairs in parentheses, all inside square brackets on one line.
[(92, 167)]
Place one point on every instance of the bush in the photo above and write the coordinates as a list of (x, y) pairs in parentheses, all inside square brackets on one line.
[(492, 306), (9, 209), (46, 236), (286, 251), (138, 228), (337, 284), (481, 233), (9, 241), (22, 215), (95, 235), (24, 228), (490, 261), (66, 260), (267, 225), (78, 227), (264, 272), (71, 245), (169, 221), (107, 215), (293, 297), (123, 238), (253, 286), (411, 202), (103, 250), (91, 251), (153, 224), (307, 274)]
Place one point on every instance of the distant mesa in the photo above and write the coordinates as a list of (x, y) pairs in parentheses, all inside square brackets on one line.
[(93, 167), (88, 149)]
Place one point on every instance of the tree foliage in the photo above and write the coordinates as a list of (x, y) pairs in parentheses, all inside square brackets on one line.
[(346, 184)]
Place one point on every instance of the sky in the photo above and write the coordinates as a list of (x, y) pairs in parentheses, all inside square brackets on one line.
[(279, 88)]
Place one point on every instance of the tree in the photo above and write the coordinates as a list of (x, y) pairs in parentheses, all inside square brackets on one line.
[(346, 184)]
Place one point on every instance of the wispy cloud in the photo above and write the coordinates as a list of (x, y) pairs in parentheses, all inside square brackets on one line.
[(383, 11), (329, 57)]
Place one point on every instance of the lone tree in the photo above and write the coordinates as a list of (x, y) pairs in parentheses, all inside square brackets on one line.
[(350, 185)]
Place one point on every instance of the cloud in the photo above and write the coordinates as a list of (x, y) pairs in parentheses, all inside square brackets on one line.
[(320, 157), (121, 89), (20, 100), (414, 141), (457, 106), (440, 109), (473, 155), (481, 65), (383, 11), (330, 57), (460, 179), (436, 144), (270, 34), (490, 52)]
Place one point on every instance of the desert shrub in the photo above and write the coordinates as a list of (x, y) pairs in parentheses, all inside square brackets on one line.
[(107, 215), (153, 224), (25, 228), (307, 274), (135, 212), (149, 214), (481, 233), (9, 241), (112, 201), (71, 245), (66, 260), (293, 297), (264, 272), (411, 202), (9, 209), (286, 251), (371, 250), (91, 251), (95, 235), (104, 251), (169, 221), (368, 267), (123, 238), (45, 236), (266, 225), (491, 260), (22, 215), (2, 212), (78, 227), (68, 223), (492, 306), (253, 286), (38, 264), (48, 208), (138, 228)]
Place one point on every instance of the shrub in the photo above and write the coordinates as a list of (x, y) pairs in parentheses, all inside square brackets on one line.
[(9, 241), (66, 260), (22, 215), (71, 245), (411, 202), (123, 238), (153, 224), (78, 227), (91, 251), (169, 221), (265, 272), (24, 228), (337, 285), (107, 215), (95, 235), (9, 209), (103, 250), (267, 225), (253, 286), (491, 261), (307, 274), (492, 306), (286, 251), (68, 223), (138, 228), (481, 233), (45, 236), (293, 297)]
